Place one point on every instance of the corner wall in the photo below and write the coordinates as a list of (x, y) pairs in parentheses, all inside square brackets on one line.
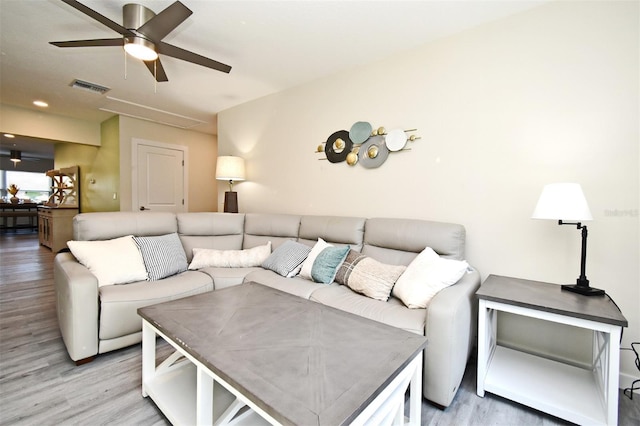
[(545, 96)]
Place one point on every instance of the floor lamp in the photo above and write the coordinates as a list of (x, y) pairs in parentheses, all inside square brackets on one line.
[(231, 169), (565, 202)]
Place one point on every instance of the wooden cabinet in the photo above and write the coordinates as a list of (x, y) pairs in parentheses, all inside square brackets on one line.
[(55, 227)]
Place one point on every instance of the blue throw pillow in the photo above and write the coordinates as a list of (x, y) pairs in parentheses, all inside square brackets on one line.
[(327, 263)]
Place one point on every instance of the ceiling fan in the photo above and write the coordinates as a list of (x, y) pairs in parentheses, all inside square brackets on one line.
[(142, 33)]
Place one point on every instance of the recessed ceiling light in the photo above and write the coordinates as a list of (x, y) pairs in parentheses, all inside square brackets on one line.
[(42, 104), (9, 135)]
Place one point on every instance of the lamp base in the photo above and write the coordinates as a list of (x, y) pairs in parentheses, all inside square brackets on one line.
[(231, 202), (584, 290)]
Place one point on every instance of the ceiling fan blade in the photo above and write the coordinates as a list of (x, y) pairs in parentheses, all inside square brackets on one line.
[(164, 22), (100, 18), (178, 53), (89, 43), (157, 70)]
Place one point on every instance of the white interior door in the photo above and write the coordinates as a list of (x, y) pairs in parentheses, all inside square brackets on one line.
[(160, 178)]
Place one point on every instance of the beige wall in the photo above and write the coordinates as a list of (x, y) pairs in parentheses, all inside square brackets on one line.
[(43, 125), (546, 96), (202, 151)]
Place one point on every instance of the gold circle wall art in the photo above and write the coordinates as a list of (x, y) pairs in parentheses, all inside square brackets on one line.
[(365, 145)]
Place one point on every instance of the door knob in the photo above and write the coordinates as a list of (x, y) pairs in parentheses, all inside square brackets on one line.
[(143, 208)]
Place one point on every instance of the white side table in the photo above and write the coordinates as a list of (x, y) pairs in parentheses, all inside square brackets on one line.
[(583, 396)]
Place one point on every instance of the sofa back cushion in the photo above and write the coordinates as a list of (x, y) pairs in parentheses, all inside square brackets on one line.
[(260, 228), (109, 225), (398, 241), (220, 231), (336, 230)]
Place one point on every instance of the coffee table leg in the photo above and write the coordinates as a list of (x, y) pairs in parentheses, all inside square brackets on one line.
[(148, 355), (415, 392), (204, 398)]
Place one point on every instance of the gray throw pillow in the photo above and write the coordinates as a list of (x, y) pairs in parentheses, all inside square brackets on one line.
[(286, 259)]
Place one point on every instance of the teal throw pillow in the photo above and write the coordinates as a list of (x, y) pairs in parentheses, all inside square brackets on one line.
[(327, 263)]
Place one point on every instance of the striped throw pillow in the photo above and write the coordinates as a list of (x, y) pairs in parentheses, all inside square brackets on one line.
[(287, 259), (163, 255)]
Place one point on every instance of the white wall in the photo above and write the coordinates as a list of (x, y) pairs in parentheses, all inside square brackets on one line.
[(546, 96)]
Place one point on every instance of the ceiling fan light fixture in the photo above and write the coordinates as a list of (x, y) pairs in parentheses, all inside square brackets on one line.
[(140, 48)]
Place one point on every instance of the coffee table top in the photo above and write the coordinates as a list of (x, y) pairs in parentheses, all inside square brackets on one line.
[(299, 361)]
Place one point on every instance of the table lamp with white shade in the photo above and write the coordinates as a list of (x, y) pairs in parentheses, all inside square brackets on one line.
[(565, 202), (231, 169)]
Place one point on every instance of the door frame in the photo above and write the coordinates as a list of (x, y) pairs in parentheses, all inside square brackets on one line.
[(135, 143)]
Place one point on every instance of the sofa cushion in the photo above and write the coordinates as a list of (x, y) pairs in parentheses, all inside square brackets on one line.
[(398, 241), (297, 286), (367, 276), (163, 255), (220, 231), (425, 276), (393, 312), (227, 277), (287, 259), (119, 303), (336, 230), (327, 263), (108, 225), (246, 258), (277, 228), (116, 261)]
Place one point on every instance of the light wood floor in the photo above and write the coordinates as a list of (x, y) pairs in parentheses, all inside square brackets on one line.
[(40, 385)]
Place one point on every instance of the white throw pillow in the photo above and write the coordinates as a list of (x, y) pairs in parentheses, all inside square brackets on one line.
[(307, 265), (116, 261), (246, 258), (425, 276)]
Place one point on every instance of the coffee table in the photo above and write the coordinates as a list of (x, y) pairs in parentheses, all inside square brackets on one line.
[(250, 354)]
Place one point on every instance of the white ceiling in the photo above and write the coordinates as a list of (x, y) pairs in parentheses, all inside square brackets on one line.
[(271, 45)]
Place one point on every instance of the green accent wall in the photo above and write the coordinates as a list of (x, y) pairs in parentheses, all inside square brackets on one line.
[(99, 168)]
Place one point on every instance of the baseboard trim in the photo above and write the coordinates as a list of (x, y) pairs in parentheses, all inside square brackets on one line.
[(625, 382)]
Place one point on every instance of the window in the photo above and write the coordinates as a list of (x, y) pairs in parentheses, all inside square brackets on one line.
[(33, 186)]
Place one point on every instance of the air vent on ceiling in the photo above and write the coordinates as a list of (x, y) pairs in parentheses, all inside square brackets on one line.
[(90, 87)]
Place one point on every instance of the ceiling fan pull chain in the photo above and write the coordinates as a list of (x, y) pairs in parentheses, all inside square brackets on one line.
[(155, 76), (125, 64)]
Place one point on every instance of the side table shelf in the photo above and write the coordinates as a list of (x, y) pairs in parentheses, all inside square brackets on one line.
[(583, 396)]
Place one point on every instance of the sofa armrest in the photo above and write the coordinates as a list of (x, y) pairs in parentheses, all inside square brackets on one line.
[(450, 330), (76, 291)]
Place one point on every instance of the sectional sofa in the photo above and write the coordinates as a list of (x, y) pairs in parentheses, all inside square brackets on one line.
[(95, 318)]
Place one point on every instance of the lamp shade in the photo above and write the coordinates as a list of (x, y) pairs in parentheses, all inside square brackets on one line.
[(562, 201), (230, 168)]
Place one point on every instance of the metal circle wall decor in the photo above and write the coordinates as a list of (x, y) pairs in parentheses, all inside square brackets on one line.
[(395, 140), (360, 132), (364, 145), (373, 153), (338, 146)]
